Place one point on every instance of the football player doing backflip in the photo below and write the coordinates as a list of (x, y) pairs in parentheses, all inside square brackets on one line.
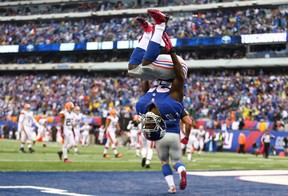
[(161, 106)]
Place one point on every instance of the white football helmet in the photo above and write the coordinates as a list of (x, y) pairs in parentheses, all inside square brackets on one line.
[(153, 126)]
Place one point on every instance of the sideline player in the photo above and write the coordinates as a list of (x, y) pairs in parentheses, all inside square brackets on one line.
[(85, 130), (201, 139), (161, 106), (26, 129), (77, 126), (111, 126), (43, 132), (134, 127), (67, 132)]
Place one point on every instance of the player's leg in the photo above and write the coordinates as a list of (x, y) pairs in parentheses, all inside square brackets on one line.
[(153, 49), (77, 139), (30, 138), (189, 149), (149, 153), (138, 53), (148, 49), (23, 138), (106, 146), (68, 143), (176, 159), (163, 154), (113, 145), (144, 150)]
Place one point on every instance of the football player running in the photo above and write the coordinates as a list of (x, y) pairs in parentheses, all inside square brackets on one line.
[(161, 106), (67, 130)]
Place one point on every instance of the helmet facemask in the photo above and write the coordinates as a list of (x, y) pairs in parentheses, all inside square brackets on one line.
[(153, 126)]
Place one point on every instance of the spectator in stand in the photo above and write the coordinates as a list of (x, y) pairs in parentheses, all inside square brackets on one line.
[(203, 24)]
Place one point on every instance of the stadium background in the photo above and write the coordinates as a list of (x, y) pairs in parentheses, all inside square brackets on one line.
[(85, 45), (69, 47)]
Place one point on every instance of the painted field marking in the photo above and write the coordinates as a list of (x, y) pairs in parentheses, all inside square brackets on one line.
[(278, 177), (278, 180), (44, 190)]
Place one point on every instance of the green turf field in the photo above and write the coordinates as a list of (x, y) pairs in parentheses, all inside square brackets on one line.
[(90, 159)]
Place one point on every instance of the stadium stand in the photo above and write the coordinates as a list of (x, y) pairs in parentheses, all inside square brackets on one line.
[(236, 53)]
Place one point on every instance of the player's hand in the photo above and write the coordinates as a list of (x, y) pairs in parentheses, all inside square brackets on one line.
[(168, 44), (184, 140)]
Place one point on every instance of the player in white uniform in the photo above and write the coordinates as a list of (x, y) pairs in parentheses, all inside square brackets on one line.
[(111, 126), (146, 151), (43, 132), (101, 134), (201, 139), (26, 129), (77, 125), (135, 133), (192, 143), (67, 120), (85, 134)]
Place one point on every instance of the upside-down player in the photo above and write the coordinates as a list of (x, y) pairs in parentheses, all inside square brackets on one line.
[(161, 106), (67, 120), (25, 128), (111, 126)]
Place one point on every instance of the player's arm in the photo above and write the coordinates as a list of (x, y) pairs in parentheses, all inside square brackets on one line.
[(177, 88), (108, 120), (35, 121), (187, 121), (20, 122), (118, 126), (62, 119)]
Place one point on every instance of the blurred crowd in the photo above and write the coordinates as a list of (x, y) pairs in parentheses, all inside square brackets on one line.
[(95, 6), (182, 25), (213, 94)]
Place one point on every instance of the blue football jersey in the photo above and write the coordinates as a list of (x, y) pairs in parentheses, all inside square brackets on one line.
[(169, 108)]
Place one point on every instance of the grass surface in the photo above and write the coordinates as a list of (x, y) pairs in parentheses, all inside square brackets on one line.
[(90, 159)]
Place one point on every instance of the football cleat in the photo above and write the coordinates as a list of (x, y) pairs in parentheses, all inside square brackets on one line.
[(146, 26), (118, 155), (183, 181), (22, 150), (60, 153), (147, 166), (106, 156), (172, 189), (158, 16), (67, 161), (31, 150), (143, 161)]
